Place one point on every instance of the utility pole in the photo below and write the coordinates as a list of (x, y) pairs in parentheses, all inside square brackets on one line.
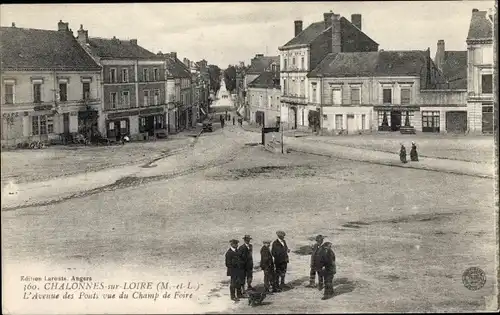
[(282, 149)]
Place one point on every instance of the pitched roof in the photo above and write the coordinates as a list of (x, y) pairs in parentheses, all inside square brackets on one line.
[(481, 26), (266, 80), (314, 30), (35, 49), (176, 68), (376, 64), (261, 63), (455, 69), (118, 49)]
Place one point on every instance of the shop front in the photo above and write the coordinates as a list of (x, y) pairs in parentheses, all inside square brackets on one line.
[(393, 118), (152, 120)]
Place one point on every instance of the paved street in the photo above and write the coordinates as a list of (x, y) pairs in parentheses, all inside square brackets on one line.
[(402, 236)]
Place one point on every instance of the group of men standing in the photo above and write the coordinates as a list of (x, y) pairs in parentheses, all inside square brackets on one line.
[(274, 261)]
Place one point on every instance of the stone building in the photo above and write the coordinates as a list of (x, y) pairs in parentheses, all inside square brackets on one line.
[(480, 72), (133, 87), (264, 93), (303, 53), (49, 84)]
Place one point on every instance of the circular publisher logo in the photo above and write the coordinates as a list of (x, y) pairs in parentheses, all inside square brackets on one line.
[(474, 278)]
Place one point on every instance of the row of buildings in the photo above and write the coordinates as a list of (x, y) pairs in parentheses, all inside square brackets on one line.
[(54, 84), (331, 76)]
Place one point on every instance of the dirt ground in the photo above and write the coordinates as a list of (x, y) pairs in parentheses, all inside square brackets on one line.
[(402, 237), (36, 165)]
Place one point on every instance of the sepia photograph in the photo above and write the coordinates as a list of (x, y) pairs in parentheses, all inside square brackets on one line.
[(249, 157)]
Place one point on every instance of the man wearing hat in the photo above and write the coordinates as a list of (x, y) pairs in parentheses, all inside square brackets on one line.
[(280, 253), (267, 265), (329, 268), (315, 264), (245, 252), (234, 270)]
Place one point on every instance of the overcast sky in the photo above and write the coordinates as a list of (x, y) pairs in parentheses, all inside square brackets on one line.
[(226, 33)]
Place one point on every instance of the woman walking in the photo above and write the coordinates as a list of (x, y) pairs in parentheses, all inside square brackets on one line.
[(402, 154), (413, 152)]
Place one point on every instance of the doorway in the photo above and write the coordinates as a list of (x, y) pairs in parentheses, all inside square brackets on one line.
[(395, 120), (351, 125), (66, 123)]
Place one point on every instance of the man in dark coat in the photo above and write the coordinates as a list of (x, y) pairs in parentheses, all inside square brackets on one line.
[(246, 256), (234, 270), (402, 154), (315, 266), (267, 265), (329, 268), (280, 252), (413, 152)]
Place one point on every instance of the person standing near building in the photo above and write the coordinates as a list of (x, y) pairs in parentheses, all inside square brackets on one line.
[(246, 255), (280, 252), (413, 152), (234, 270), (267, 265), (402, 154), (315, 266), (233, 120), (329, 268)]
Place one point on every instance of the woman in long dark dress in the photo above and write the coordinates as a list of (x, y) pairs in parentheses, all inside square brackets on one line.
[(413, 152), (402, 154)]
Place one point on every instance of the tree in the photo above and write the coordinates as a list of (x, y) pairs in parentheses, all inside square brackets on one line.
[(214, 73), (230, 78)]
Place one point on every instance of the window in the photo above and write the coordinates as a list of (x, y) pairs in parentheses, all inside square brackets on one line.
[(285, 65), (63, 92), (302, 87), (285, 90), (9, 93), (387, 96), (293, 61), (302, 63), (336, 96), (112, 75), (37, 93), (125, 75), (86, 90), (156, 74), (487, 118), (260, 101), (407, 118), (111, 125), (355, 96), (158, 122), (486, 84), (42, 125), (146, 98), (125, 98), (273, 67), (383, 120), (113, 98), (314, 93), (430, 121), (338, 122), (363, 122), (157, 97), (405, 96), (145, 75)]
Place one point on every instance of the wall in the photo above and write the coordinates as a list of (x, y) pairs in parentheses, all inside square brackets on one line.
[(151, 87), (270, 104), (358, 111), (119, 88), (443, 97), (107, 76)]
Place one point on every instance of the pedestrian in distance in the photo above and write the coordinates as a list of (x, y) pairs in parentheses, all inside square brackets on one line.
[(413, 152), (280, 252), (234, 270), (222, 123), (329, 268), (267, 265), (246, 256), (315, 264), (233, 120), (402, 154)]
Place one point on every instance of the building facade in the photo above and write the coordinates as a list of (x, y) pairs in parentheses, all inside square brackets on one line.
[(264, 94), (50, 86), (133, 87), (480, 72), (385, 91), (305, 51)]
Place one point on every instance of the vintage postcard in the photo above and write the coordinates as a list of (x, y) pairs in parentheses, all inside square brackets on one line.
[(286, 157)]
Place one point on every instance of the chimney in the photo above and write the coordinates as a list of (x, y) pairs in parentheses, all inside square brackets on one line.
[(173, 54), (61, 26), (356, 20), (83, 35), (160, 53), (439, 59), (475, 10), (13, 24), (327, 17), (336, 33), (298, 27), (133, 41)]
